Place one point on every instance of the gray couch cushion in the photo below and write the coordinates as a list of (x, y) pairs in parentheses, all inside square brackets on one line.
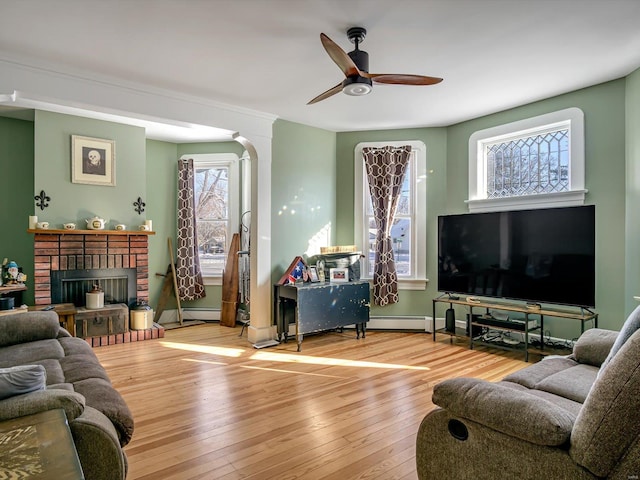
[(27, 327), (82, 367), (593, 346), (534, 374), (103, 397), (21, 379), (608, 423), (573, 383), (569, 405), (505, 410), (40, 401), (631, 325), (54, 371), (75, 346), (30, 352)]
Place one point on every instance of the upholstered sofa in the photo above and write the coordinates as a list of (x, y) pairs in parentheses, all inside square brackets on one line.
[(570, 417), (72, 379)]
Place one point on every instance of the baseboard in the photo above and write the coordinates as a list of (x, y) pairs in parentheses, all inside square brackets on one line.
[(204, 314), (404, 322)]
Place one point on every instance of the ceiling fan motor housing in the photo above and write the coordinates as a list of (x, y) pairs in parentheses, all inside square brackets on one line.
[(356, 85)]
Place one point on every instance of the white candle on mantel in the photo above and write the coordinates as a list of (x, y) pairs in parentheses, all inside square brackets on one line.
[(149, 224), (33, 222)]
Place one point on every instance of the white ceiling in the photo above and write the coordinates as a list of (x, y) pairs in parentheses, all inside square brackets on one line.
[(266, 55)]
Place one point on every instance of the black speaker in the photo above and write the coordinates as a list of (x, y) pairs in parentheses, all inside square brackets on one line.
[(477, 330), (450, 320)]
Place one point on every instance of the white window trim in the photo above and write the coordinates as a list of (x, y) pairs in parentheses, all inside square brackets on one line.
[(232, 161), (571, 118), (418, 281)]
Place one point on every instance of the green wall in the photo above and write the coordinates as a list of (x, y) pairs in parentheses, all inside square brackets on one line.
[(161, 180), (603, 106), (72, 202), (632, 221), (303, 191), (17, 203)]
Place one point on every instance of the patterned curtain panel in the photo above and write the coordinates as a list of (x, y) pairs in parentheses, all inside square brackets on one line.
[(188, 273), (386, 168)]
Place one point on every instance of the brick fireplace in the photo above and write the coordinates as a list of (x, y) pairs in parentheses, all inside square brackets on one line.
[(82, 250)]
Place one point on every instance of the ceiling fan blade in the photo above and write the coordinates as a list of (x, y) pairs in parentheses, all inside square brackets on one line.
[(401, 79), (332, 91), (339, 56)]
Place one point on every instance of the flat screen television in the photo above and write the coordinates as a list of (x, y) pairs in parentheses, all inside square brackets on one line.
[(538, 256)]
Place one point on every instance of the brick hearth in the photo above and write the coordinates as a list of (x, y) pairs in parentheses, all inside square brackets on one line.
[(82, 250), (156, 331)]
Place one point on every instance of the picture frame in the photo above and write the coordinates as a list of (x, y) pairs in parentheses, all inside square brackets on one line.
[(93, 161), (339, 275), (313, 274)]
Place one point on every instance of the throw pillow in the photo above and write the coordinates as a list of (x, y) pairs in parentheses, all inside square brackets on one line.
[(630, 326), (21, 379)]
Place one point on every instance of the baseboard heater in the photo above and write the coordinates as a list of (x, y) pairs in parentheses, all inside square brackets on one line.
[(401, 322)]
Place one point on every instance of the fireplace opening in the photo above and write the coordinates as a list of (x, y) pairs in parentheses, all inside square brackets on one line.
[(70, 286)]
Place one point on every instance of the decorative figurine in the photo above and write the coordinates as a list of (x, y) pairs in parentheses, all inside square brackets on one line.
[(11, 272)]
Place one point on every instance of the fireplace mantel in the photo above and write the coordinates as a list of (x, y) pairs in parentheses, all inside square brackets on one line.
[(45, 231)]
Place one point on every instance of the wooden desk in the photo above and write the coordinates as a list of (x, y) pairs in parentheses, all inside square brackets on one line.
[(39, 447), (322, 306), (66, 315)]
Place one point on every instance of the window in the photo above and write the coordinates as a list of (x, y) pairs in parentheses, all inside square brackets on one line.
[(409, 226), (533, 163), (216, 190)]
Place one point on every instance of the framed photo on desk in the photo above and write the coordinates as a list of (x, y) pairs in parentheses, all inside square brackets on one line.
[(338, 275), (313, 274)]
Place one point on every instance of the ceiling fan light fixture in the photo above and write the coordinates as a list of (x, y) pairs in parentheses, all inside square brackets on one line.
[(357, 87)]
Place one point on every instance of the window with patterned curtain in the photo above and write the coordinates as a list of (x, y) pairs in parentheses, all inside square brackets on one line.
[(409, 226), (188, 273)]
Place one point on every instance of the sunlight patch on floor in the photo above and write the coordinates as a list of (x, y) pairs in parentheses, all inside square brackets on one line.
[(297, 358), (221, 351), (289, 371), (267, 356), (208, 362)]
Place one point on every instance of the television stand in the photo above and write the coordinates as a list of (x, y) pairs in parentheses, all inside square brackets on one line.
[(533, 319)]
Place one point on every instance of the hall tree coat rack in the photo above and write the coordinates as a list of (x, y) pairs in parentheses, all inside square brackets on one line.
[(169, 287)]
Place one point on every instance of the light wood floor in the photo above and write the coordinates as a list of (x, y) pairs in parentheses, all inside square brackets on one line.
[(209, 406)]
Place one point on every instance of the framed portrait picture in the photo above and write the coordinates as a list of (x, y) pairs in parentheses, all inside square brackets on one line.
[(313, 274), (338, 275), (93, 161)]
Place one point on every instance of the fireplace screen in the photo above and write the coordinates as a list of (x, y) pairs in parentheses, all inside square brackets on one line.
[(70, 286)]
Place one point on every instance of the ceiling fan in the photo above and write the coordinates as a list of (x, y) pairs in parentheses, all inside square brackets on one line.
[(355, 66)]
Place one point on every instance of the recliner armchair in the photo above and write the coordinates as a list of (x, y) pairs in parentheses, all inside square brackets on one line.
[(561, 418)]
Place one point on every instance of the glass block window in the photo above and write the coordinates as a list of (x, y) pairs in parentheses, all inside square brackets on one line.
[(529, 165)]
